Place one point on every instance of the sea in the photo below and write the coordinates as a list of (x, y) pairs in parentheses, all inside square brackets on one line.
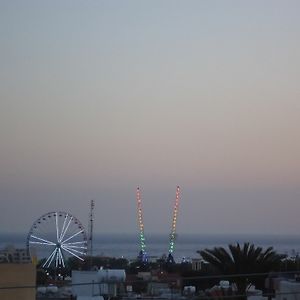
[(186, 245)]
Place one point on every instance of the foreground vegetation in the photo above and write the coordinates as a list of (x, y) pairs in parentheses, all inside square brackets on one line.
[(245, 260)]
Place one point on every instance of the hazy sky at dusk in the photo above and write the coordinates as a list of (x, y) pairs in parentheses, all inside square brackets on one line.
[(99, 97)]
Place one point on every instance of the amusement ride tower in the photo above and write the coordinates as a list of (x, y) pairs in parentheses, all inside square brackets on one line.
[(170, 258), (142, 254)]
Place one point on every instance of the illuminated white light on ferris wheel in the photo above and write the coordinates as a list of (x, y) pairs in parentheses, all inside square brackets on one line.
[(56, 236)]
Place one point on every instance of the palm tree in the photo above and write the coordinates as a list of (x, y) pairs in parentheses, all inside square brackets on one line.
[(242, 260)]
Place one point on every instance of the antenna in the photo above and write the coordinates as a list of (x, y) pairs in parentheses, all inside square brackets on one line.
[(173, 227), (90, 240), (142, 254)]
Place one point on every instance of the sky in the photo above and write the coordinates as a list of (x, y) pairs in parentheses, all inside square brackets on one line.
[(100, 97)]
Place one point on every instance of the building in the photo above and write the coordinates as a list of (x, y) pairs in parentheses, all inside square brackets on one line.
[(287, 289), (105, 283), (10, 254), (17, 281)]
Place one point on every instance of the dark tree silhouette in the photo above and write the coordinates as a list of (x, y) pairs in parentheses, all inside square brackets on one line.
[(246, 259)]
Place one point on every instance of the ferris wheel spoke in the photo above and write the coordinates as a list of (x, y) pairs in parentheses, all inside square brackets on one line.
[(72, 253), (50, 258), (74, 250), (46, 241), (75, 243), (76, 247), (50, 262), (56, 258), (63, 227), (56, 224), (63, 234), (72, 236), (61, 258), (42, 243)]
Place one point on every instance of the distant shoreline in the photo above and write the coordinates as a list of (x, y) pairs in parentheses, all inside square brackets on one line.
[(186, 245)]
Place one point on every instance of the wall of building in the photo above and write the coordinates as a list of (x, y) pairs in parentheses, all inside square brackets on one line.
[(13, 275), (287, 290)]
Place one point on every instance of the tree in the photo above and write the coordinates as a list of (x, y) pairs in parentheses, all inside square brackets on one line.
[(247, 259)]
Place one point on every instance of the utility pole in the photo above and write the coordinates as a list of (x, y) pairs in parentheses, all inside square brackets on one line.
[(90, 241)]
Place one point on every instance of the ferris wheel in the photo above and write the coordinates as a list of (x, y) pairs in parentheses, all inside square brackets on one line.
[(56, 236)]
